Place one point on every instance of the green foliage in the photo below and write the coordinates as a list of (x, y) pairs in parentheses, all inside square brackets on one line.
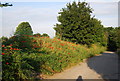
[(49, 56), (11, 61), (37, 35), (45, 35), (117, 36), (5, 5), (19, 66), (23, 42), (3, 40), (113, 35), (77, 25), (22, 36), (23, 28)]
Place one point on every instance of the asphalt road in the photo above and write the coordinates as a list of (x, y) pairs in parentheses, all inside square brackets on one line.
[(104, 66)]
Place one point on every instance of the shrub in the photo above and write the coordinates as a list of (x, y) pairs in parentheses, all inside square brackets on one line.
[(15, 66)]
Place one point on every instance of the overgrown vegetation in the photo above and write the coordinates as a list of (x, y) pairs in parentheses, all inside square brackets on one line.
[(113, 36), (47, 56), (79, 36)]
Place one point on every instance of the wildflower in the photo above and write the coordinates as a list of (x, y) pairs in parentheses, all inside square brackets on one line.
[(30, 36), (59, 39), (34, 41), (51, 47), (5, 49), (3, 53), (3, 45), (16, 49), (68, 53), (62, 44), (54, 41), (59, 48), (11, 48), (7, 63), (10, 45)]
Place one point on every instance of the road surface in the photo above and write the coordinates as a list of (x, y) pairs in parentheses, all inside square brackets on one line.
[(104, 66)]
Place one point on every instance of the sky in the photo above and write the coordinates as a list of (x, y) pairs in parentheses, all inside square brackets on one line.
[(42, 14)]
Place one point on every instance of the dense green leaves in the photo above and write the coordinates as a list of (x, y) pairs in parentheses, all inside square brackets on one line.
[(24, 28), (44, 35), (118, 37), (22, 34), (3, 40), (113, 35), (77, 25)]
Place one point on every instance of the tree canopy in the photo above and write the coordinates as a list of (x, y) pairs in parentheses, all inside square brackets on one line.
[(77, 25), (24, 28)]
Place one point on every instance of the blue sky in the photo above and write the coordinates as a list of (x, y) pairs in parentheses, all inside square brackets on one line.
[(42, 16)]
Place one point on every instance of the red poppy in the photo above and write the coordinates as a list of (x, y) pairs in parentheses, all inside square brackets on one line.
[(51, 47), (34, 41), (17, 49), (10, 45), (7, 63), (11, 48), (3, 45), (54, 41), (62, 44), (68, 53), (3, 53)]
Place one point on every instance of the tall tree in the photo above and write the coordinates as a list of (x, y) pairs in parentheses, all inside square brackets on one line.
[(77, 25), (24, 28), (23, 41)]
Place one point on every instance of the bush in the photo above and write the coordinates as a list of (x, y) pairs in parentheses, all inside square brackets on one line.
[(11, 61)]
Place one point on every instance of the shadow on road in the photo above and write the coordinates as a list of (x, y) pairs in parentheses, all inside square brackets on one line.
[(106, 65), (79, 78)]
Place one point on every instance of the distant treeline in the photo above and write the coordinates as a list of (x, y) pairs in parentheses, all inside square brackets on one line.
[(113, 37)]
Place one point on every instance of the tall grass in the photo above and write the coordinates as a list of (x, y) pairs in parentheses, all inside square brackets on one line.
[(59, 54)]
